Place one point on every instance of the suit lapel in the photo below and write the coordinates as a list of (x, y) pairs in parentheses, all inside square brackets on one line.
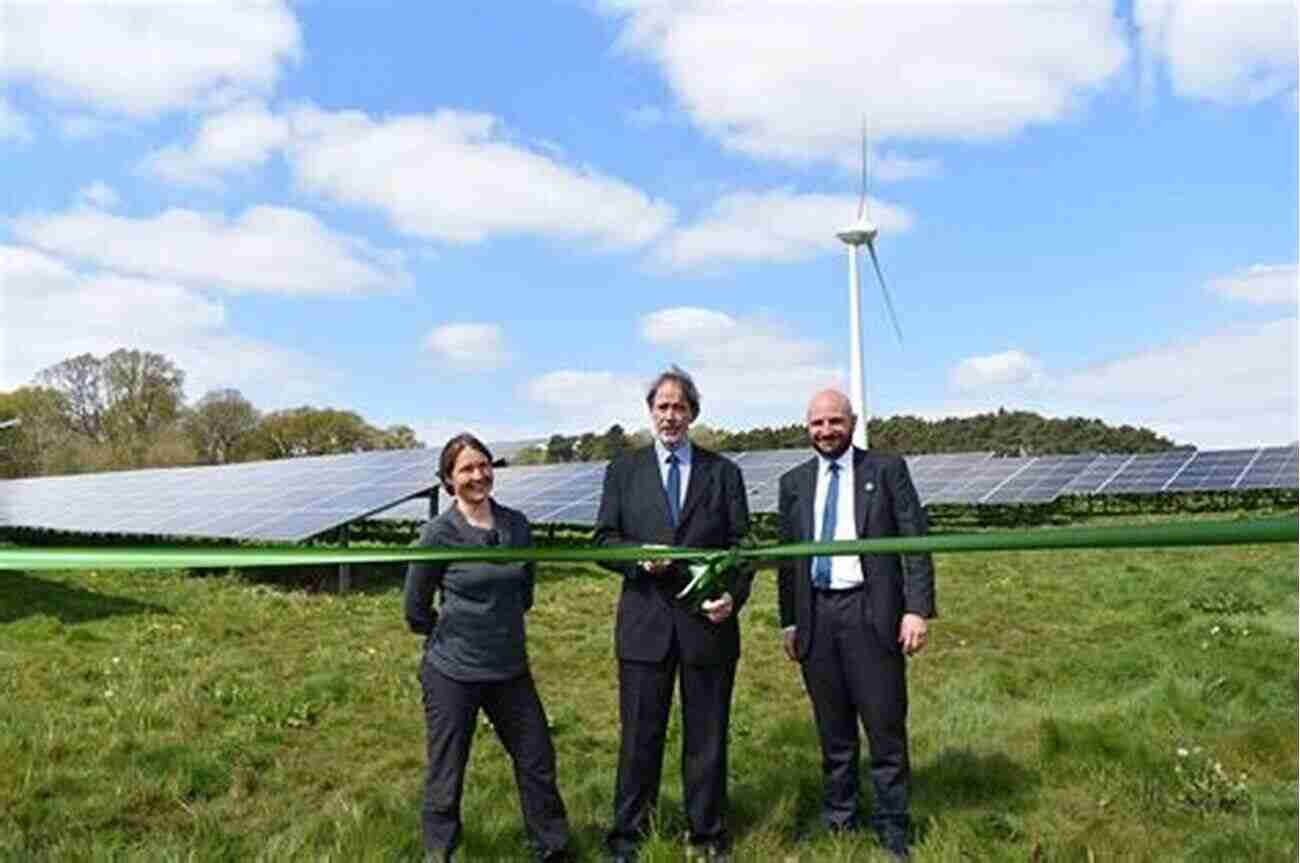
[(649, 470), (701, 480), (808, 498), (861, 495)]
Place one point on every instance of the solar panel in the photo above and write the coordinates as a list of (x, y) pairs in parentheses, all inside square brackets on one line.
[(982, 481), (1275, 467), (762, 471), (1098, 472), (1147, 473), (289, 499), (932, 473), (296, 499), (1212, 471), (1042, 480)]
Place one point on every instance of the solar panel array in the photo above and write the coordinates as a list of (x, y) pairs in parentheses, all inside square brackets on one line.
[(289, 499), (295, 499)]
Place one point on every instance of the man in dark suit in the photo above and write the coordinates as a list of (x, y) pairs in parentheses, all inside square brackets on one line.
[(849, 621), (673, 493)]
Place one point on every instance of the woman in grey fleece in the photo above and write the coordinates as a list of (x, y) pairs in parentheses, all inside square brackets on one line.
[(475, 657)]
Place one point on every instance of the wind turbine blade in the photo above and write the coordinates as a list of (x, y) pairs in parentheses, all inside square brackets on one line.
[(889, 302), (862, 198)]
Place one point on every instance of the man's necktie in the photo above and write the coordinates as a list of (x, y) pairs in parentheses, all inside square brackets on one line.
[(674, 489), (821, 571)]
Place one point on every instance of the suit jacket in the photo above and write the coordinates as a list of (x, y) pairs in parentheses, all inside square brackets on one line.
[(885, 504), (715, 514)]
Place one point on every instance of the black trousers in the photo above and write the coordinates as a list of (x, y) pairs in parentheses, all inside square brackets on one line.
[(645, 699), (852, 677), (450, 714)]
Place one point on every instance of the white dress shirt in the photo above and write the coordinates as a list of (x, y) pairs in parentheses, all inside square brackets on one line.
[(683, 452), (846, 569)]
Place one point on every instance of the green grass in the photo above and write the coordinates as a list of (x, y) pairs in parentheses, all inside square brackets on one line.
[(156, 716)]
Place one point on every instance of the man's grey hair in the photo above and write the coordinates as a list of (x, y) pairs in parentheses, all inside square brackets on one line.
[(679, 376)]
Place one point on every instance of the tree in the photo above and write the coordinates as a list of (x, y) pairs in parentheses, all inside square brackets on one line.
[(219, 424), (125, 399), (585, 449), (396, 437), (32, 446), (80, 380), (529, 455), (144, 393), (311, 431), (559, 448), (614, 442)]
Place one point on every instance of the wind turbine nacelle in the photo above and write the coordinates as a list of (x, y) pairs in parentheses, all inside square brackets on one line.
[(859, 233)]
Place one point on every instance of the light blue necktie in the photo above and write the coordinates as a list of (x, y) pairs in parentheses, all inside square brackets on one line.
[(821, 571), (674, 489)]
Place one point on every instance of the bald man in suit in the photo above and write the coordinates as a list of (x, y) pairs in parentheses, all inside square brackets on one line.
[(849, 621)]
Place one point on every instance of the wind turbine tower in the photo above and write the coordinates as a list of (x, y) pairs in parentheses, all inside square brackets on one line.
[(855, 236)]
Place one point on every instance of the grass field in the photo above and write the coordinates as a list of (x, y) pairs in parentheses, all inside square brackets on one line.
[(1122, 705)]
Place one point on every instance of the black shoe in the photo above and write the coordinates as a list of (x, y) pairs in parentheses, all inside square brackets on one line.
[(895, 842), (558, 855), (708, 853)]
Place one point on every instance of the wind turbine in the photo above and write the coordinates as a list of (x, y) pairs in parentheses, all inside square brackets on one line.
[(862, 233)]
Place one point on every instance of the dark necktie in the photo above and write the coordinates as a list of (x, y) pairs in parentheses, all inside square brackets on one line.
[(674, 489), (821, 571)]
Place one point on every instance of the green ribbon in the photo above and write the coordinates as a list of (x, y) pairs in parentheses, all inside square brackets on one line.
[(715, 562)]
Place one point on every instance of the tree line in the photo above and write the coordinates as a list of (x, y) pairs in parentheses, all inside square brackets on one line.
[(128, 410), (1005, 433)]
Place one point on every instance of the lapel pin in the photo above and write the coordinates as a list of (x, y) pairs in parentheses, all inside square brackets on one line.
[(869, 486)]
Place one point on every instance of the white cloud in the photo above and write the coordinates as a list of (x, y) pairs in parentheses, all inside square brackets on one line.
[(889, 166), (1231, 54), (99, 194), (55, 311), (435, 433), (242, 136), (1261, 284), (473, 347), (14, 124), (776, 225), (457, 177), (143, 58), (79, 127), (1234, 387), (750, 371), (267, 249), (773, 81), (745, 367), (581, 401), (994, 370)]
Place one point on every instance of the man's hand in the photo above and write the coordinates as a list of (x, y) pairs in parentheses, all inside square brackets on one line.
[(718, 610), (654, 567), (788, 638), (913, 633)]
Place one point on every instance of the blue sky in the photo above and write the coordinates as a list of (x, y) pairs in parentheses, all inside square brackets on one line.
[(508, 222)]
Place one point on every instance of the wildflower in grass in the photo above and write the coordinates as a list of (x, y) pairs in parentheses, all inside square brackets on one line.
[(1203, 782)]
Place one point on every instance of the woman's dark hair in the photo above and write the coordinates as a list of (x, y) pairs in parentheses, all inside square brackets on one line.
[(452, 450)]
